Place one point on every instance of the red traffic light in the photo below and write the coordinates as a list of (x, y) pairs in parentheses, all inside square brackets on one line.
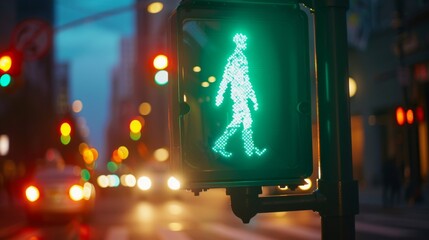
[(160, 62)]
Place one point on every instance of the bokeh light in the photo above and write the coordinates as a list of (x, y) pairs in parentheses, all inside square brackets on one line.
[(65, 139), (5, 63), (112, 167), (160, 62), (103, 181), (4, 145), (65, 129), (76, 193), (135, 136), (144, 183), (128, 180), (145, 108), (88, 156), (77, 106), (32, 193), (161, 154), (135, 126), (211, 79), (173, 183), (161, 77), (85, 174), (5, 80), (352, 87), (196, 69), (114, 180), (123, 152), (155, 7)]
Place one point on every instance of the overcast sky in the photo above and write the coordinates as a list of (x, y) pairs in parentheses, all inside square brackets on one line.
[(92, 50)]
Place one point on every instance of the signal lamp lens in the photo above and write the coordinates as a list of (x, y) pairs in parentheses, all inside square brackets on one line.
[(5, 80), (5, 63), (65, 129), (160, 62), (161, 77)]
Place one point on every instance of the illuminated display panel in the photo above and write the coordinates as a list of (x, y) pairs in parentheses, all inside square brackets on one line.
[(252, 125)]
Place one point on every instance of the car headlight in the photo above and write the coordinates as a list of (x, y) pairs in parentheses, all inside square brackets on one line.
[(76, 193), (32, 193), (144, 183), (88, 189), (173, 183)]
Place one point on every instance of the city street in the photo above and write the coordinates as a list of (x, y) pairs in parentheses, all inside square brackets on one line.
[(122, 215)]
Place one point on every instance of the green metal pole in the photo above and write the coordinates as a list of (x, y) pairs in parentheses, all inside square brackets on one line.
[(336, 181)]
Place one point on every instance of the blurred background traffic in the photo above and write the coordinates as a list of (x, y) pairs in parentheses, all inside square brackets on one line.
[(84, 126)]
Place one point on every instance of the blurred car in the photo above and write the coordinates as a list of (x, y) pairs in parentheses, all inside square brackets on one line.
[(58, 192), (156, 181)]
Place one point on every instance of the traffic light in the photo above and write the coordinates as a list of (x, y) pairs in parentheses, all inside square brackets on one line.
[(136, 126), (10, 67), (160, 63), (65, 131), (409, 116), (240, 110)]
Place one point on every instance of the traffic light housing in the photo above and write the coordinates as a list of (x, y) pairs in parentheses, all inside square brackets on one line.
[(240, 99), (160, 63), (65, 132), (10, 67)]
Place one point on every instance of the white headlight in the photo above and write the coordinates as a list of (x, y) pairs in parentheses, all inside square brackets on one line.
[(173, 183), (144, 183)]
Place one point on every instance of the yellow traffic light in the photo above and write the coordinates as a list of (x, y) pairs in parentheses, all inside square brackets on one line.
[(5, 63), (135, 126), (65, 129)]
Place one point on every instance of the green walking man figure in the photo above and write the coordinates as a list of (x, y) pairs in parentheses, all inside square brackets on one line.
[(236, 75)]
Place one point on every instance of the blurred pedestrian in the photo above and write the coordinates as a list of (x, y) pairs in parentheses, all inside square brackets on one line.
[(392, 183)]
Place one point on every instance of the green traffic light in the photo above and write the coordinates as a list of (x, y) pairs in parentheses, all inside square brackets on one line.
[(161, 77), (5, 80)]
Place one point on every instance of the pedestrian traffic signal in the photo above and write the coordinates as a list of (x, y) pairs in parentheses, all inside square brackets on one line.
[(160, 63), (240, 107)]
